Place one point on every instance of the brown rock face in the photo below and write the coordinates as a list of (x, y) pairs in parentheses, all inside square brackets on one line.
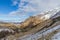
[(30, 22)]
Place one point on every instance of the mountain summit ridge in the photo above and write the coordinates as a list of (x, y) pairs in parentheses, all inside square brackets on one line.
[(33, 25), (33, 20)]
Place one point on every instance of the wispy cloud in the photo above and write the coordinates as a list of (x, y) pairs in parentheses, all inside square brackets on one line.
[(14, 2), (27, 8), (35, 6)]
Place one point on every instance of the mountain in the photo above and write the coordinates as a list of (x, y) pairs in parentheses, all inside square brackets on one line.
[(34, 20), (39, 27)]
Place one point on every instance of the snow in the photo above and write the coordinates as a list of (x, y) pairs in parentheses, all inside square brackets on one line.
[(49, 14), (39, 34), (56, 36), (6, 29)]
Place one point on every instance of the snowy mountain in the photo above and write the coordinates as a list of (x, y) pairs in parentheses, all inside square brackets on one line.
[(51, 14), (44, 26), (47, 30)]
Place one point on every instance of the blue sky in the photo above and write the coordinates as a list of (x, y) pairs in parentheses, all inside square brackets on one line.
[(6, 6), (19, 10)]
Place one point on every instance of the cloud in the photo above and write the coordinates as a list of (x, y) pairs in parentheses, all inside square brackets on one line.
[(10, 18), (28, 8), (15, 2), (35, 6), (39, 5)]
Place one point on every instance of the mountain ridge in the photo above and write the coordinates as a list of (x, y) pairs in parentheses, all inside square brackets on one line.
[(34, 24)]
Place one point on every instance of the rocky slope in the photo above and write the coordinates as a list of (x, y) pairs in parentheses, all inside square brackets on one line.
[(41, 27)]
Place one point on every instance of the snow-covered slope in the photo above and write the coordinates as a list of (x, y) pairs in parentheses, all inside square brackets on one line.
[(45, 32), (42, 34), (50, 14)]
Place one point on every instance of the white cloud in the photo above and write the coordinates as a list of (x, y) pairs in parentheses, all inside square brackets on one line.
[(26, 6), (33, 7), (14, 2), (39, 5)]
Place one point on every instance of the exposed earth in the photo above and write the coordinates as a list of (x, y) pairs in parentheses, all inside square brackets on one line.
[(40, 27)]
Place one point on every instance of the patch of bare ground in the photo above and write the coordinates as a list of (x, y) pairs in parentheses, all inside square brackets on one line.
[(37, 27), (32, 26), (45, 24), (49, 35)]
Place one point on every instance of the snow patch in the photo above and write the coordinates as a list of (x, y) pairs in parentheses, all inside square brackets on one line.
[(56, 36), (39, 34)]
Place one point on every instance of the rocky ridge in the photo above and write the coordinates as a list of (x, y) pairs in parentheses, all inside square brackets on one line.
[(35, 27)]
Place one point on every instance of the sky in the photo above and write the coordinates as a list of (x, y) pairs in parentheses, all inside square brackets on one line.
[(19, 10)]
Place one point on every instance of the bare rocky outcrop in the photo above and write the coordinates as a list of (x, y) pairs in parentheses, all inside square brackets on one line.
[(34, 28)]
